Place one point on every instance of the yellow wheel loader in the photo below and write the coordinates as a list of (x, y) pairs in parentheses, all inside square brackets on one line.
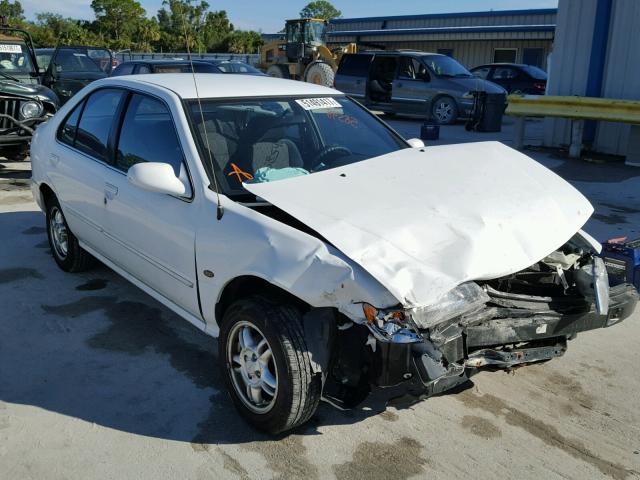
[(303, 54)]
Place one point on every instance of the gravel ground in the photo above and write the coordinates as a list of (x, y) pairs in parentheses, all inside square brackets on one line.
[(97, 380)]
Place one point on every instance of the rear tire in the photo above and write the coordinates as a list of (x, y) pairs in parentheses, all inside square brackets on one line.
[(278, 71), (266, 364), (319, 73), (65, 248)]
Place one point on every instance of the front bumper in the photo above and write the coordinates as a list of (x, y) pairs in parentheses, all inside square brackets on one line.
[(497, 337)]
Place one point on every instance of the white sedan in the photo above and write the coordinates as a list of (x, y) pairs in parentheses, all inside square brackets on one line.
[(329, 255)]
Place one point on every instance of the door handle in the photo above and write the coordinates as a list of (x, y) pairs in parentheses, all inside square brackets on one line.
[(110, 191)]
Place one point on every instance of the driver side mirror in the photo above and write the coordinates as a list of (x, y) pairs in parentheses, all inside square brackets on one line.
[(156, 177)]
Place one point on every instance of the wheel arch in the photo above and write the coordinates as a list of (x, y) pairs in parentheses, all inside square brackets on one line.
[(46, 193), (247, 285)]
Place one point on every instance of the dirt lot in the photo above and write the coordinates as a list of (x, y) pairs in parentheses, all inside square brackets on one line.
[(97, 380)]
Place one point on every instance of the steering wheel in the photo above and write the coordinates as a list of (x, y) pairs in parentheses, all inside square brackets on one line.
[(322, 157)]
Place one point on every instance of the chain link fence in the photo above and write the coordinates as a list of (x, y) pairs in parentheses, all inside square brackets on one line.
[(251, 58)]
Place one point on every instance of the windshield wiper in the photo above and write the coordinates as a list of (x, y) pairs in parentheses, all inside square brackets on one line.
[(10, 77)]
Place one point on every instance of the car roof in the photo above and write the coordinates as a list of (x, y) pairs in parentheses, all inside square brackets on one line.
[(399, 52), (213, 85), (165, 62), (502, 64)]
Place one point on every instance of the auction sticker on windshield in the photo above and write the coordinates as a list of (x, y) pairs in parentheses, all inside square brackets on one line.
[(10, 48), (318, 103)]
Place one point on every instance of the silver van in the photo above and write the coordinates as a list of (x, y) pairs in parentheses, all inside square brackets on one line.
[(411, 82)]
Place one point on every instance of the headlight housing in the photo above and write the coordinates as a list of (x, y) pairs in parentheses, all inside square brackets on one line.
[(31, 109), (465, 298)]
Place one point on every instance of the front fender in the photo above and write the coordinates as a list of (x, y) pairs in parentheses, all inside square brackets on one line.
[(247, 243)]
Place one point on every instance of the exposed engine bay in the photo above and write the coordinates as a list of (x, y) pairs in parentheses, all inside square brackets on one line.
[(522, 318)]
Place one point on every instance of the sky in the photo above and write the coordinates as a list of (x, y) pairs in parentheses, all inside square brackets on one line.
[(268, 15)]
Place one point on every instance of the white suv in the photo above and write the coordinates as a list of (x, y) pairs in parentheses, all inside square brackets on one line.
[(327, 253)]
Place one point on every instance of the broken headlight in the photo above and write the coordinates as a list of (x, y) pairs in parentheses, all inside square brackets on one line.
[(463, 299), (390, 325)]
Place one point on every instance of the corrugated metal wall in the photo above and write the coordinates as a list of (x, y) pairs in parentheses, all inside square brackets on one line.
[(570, 66), (569, 61), (453, 20), (472, 53), (622, 71)]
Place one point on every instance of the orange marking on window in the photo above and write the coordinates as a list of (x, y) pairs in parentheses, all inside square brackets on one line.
[(241, 174)]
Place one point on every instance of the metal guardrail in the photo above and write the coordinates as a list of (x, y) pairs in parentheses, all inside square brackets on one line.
[(250, 58), (576, 109)]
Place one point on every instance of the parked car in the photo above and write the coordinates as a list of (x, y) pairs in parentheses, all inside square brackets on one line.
[(138, 67), (235, 66), (328, 255), (417, 83), (24, 102), (69, 68), (514, 77)]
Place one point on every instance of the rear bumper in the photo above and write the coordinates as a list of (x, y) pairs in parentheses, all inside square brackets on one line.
[(449, 355)]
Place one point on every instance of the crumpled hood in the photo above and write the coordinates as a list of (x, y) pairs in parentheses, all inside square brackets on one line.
[(422, 221)]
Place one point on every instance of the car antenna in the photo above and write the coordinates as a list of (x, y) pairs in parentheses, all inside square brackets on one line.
[(219, 208)]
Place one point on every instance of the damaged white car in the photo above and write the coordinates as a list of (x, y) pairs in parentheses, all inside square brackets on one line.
[(328, 254)]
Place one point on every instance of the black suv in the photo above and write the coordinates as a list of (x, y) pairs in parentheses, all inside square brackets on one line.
[(24, 102), (69, 68)]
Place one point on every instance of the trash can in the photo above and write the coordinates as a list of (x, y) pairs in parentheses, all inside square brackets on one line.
[(494, 107)]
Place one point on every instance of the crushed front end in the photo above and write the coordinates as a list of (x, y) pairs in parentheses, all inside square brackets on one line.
[(522, 318)]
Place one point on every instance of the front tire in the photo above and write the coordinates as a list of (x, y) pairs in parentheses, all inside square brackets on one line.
[(65, 248), (319, 73), (444, 111), (266, 364)]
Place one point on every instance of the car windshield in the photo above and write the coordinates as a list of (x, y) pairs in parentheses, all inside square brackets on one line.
[(535, 72), (315, 32), (269, 139), (14, 58), (75, 60), (236, 67), (444, 66)]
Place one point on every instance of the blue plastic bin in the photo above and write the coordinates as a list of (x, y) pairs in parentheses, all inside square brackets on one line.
[(623, 262)]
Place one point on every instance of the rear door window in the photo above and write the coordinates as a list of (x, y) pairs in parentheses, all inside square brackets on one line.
[(355, 65), (124, 69), (505, 73), (95, 123), (142, 69), (482, 72)]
